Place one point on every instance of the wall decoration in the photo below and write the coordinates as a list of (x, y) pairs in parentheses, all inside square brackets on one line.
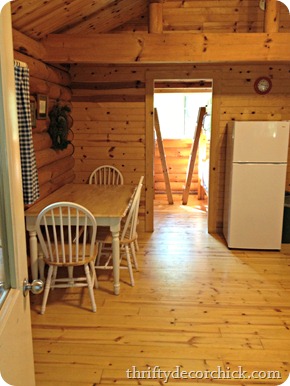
[(33, 113), (60, 126), (263, 85), (42, 102)]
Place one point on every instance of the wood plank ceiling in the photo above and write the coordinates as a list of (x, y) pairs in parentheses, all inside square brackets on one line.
[(37, 19)]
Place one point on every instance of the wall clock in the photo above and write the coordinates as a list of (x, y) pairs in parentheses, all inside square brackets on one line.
[(263, 85)]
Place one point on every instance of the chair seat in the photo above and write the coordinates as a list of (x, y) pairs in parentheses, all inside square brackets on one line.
[(74, 261), (104, 236)]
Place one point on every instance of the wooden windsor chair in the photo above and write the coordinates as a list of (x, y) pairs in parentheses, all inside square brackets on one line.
[(127, 238), (58, 228), (106, 175)]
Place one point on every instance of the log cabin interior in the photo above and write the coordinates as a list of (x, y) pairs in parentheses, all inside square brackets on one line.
[(106, 60), (77, 60)]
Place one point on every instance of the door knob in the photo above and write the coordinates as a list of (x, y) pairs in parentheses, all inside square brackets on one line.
[(36, 287)]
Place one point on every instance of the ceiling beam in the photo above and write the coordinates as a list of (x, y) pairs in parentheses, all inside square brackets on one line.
[(155, 17), (167, 48), (271, 19), (27, 46)]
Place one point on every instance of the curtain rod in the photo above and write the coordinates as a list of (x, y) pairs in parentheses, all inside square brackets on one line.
[(20, 64)]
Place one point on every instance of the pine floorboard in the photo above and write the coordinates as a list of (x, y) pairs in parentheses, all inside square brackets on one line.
[(196, 306)]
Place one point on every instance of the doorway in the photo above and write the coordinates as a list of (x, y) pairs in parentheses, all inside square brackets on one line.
[(177, 105)]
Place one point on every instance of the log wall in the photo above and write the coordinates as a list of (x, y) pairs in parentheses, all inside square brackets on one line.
[(55, 167), (118, 101)]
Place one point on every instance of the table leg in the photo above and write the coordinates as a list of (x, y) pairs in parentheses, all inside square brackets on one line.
[(116, 261), (33, 254)]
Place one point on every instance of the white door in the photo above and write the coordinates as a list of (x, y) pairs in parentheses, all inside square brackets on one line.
[(16, 354), (256, 206), (260, 141)]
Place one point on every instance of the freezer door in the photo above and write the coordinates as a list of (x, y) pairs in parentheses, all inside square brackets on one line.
[(256, 204), (260, 141)]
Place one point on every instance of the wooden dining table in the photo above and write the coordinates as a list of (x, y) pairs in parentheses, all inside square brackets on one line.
[(108, 204)]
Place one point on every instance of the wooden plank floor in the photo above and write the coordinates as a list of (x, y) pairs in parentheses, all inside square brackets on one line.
[(196, 307)]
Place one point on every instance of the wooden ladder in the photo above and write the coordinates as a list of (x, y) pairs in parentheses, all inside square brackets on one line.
[(192, 157), (163, 157)]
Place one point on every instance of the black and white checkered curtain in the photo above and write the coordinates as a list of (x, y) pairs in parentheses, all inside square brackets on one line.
[(28, 163)]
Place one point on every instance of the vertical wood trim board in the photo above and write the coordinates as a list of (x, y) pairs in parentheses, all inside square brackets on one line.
[(163, 157)]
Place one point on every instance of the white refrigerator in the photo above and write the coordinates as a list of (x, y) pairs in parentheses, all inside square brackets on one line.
[(256, 166)]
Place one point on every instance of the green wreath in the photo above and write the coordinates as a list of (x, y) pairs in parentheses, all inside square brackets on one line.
[(60, 126)]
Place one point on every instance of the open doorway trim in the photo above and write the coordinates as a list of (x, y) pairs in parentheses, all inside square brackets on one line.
[(151, 77)]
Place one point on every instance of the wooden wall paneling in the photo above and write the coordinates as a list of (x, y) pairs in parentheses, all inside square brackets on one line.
[(118, 131), (216, 171), (176, 165), (149, 153), (109, 152), (233, 98), (210, 16), (112, 139), (176, 186), (233, 26), (105, 86), (105, 127), (85, 95), (95, 112), (208, 3), (180, 151), (109, 133), (115, 97), (93, 73)]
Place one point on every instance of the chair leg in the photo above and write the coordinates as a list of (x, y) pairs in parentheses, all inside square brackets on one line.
[(53, 277), (136, 245), (41, 264), (134, 257), (47, 288), (100, 247), (90, 287), (94, 275), (70, 275), (127, 250)]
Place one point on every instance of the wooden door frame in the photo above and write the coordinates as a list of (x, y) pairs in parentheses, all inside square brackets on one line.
[(16, 355), (195, 74)]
